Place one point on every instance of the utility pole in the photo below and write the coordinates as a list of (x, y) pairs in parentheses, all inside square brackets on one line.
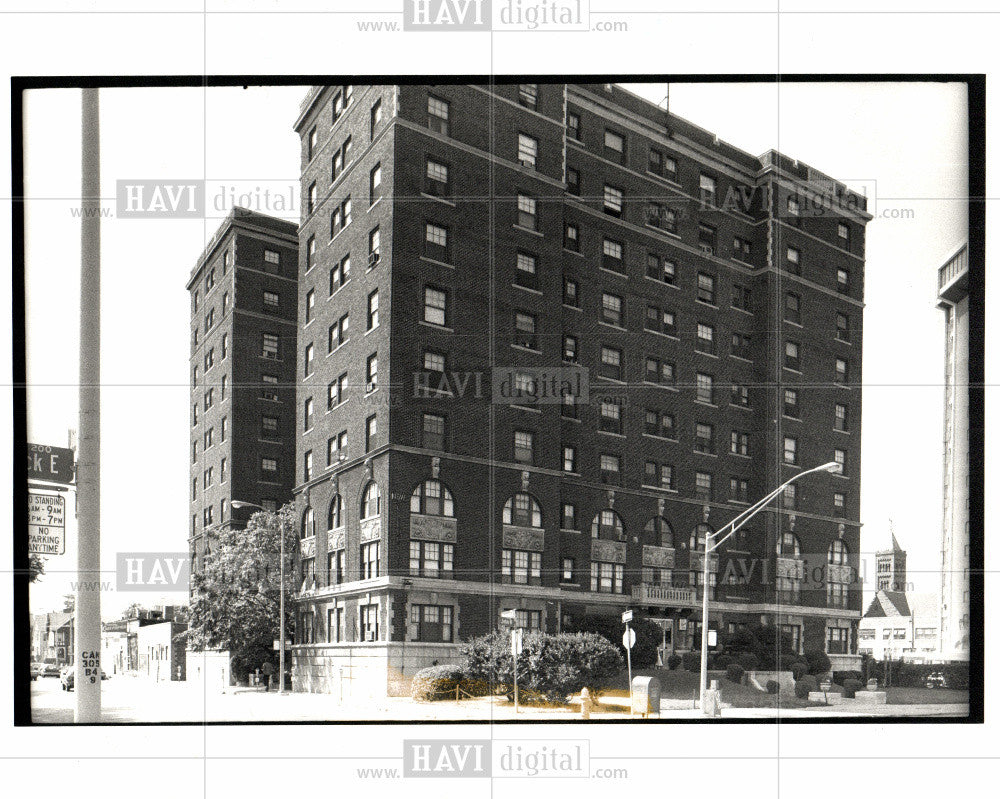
[(87, 658)]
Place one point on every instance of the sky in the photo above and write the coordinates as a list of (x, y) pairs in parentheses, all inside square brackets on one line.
[(907, 139)]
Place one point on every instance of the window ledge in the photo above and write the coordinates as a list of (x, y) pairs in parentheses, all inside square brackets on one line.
[(436, 262), (529, 230)]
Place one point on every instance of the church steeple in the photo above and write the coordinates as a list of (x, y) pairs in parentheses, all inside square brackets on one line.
[(890, 565)]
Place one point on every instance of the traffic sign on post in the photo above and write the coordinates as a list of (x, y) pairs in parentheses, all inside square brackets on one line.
[(51, 464), (628, 638), (627, 617), (46, 525)]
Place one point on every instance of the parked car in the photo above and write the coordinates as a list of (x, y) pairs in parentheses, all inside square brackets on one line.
[(68, 677), (36, 669), (50, 670), (936, 679)]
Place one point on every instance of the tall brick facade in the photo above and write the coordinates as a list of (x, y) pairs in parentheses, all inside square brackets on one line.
[(490, 230), (243, 288)]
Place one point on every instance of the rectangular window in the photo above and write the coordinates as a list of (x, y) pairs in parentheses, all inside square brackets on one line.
[(611, 416), (307, 466), (792, 356), (337, 333), (840, 458), (611, 363), (706, 238), (373, 310), (527, 150), (307, 414), (794, 265), (793, 308), (374, 247), (524, 446), (614, 147), (375, 184), (368, 626), (738, 489), (843, 327), (844, 235), (526, 271), (573, 125), (375, 118), (433, 431), (438, 112), (269, 346), (436, 179), (371, 432), (839, 505), (568, 519), (573, 181), (340, 273), (705, 338), (371, 372), (435, 306), (520, 567), (840, 371), (611, 309), (571, 237), (607, 578), (707, 186), (525, 327), (791, 450), (742, 249), (703, 486), (704, 438), (308, 360), (527, 212), (613, 256), (527, 95), (571, 293), (840, 417), (611, 468), (843, 281), (569, 459), (660, 269), (706, 288), (791, 403), (269, 465), (704, 388), (311, 198), (613, 200)]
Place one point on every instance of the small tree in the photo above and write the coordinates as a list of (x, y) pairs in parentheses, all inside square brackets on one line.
[(235, 599), (36, 567)]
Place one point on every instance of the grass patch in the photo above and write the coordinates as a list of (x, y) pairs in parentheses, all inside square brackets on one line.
[(925, 696), (684, 685)]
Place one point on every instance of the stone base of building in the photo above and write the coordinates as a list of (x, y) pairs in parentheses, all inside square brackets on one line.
[(845, 663), (356, 671)]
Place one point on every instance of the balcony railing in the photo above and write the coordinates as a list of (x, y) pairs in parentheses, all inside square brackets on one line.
[(667, 594)]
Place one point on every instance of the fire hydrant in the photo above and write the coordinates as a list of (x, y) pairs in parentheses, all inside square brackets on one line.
[(586, 703)]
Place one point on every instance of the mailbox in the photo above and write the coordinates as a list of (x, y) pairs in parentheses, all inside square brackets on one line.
[(646, 695)]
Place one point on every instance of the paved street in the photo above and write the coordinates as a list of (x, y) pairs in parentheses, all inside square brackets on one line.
[(130, 699)]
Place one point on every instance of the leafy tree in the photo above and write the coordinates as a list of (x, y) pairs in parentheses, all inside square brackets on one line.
[(235, 599), (771, 647), (36, 567), (648, 636)]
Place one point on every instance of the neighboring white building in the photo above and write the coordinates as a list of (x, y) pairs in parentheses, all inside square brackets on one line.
[(901, 625), (953, 299)]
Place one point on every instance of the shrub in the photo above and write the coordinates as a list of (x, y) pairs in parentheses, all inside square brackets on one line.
[(804, 685), (722, 661), (692, 661), (841, 677), (549, 668), (734, 673), (436, 682), (648, 636), (674, 661), (819, 662), (851, 687), (799, 669), (749, 661), (772, 686), (768, 643)]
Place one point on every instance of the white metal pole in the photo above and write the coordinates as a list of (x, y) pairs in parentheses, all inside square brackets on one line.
[(704, 623), (88, 475), (628, 656), (513, 646), (281, 604)]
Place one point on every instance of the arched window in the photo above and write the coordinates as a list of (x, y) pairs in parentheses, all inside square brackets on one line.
[(658, 532), (308, 524), (788, 545), (335, 518), (607, 524), (432, 498), (371, 501), (522, 510), (837, 554), (698, 537)]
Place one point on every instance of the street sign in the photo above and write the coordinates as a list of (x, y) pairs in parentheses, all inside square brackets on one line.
[(52, 464), (517, 640), (510, 615), (628, 638), (713, 637), (46, 524), (627, 616)]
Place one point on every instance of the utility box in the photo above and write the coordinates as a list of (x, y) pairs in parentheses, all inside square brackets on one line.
[(646, 693)]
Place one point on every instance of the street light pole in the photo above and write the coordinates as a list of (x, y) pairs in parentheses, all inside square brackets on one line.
[(740, 519)]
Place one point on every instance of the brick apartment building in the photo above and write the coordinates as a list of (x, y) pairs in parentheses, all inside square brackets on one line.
[(243, 314), (454, 238)]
